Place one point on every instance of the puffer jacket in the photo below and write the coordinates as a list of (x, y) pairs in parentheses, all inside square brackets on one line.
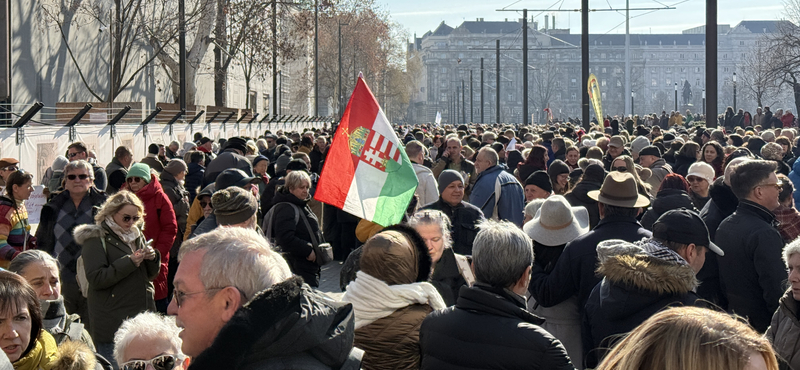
[(427, 191), (489, 329), (666, 200), (464, 219), (634, 287), (784, 331), (579, 197), (160, 226), (287, 326)]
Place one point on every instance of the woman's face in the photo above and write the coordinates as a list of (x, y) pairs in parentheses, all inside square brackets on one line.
[(572, 157), (127, 216), (437, 142), (618, 164), (135, 183), (710, 154), (301, 192), (15, 330), (180, 176), (142, 348), (785, 149), (794, 274), (44, 278), (261, 167), (562, 180), (23, 192), (434, 240), (698, 185)]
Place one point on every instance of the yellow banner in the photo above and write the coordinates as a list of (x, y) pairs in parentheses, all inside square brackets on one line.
[(594, 96)]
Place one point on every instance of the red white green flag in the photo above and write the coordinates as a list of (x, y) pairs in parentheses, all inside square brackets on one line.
[(367, 173)]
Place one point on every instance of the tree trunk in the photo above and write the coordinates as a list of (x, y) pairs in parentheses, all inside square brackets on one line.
[(796, 90), (220, 73)]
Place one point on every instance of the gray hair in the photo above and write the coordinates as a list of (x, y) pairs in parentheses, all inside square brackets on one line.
[(501, 253), (22, 260), (237, 257), (148, 325), (489, 154), (79, 165), (790, 249), (295, 179), (433, 217)]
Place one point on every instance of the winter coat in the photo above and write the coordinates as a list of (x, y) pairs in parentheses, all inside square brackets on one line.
[(767, 120), (784, 331), (393, 341), (511, 204), (117, 288), (489, 328), (788, 119), (574, 273), (579, 197), (660, 170), (224, 161), (179, 198), (100, 178), (160, 226), (428, 189), (14, 230), (293, 239), (154, 163), (45, 233), (287, 326), (116, 176), (666, 200), (464, 219), (464, 165), (682, 164), (194, 180), (721, 205), (447, 277), (752, 272), (795, 177), (317, 159), (633, 289), (608, 160)]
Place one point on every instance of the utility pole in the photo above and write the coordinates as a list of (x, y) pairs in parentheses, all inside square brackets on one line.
[(524, 67), (711, 63), (628, 52), (734, 92), (497, 78), (676, 96), (274, 56), (341, 110), (482, 120), (585, 64), (316, 58), (471, 99), (463, 105), (182, 54)]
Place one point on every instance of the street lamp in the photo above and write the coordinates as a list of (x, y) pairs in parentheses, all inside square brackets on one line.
[(676, 96), (633, 95), (704, 104), (734, 92)]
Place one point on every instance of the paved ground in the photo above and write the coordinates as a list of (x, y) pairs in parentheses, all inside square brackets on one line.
[(329, 281)]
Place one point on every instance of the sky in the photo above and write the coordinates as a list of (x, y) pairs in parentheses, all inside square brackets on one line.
[(420, 16)]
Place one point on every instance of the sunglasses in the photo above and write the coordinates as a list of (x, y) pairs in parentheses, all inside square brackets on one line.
[(72, 155), (694, 179), (163, 362), (206, 204), (620, 169), (133, 179), (10, 168), (128, 218), (81, 177), (778, 185)]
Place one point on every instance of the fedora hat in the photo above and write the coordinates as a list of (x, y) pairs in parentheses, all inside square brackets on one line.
[(557, 223), (619, 189)]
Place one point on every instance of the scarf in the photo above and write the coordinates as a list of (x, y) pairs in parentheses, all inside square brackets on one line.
[(373, 299), (41, 356), (54, 315), (129, 237), (68, 217)]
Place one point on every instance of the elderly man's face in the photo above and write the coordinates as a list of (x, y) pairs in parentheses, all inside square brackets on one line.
[(614, 151), (481, 163), (200, 314)]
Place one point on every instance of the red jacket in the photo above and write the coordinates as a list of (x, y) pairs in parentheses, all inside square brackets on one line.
[(788, 120), (160, 226)]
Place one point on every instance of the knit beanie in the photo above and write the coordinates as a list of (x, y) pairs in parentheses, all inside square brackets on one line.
[(556, 168), (650, 150), (540, 179), (59, 163), (447, 177), (141, 170), (638, 143), (281, 162), (233, 205), (259, 158), (175, 166), (236, 143)]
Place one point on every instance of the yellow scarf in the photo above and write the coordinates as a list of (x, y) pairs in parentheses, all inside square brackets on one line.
[(41, 356)]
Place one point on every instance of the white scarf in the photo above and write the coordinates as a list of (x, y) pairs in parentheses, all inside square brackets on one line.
[(129, 237), (373, 299)]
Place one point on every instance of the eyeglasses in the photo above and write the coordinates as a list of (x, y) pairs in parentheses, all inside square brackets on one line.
[(179, 296), (133, 179), (205, 204), (163, 362), (778, 185), (82, 177), (10, 168), (620, 169), (72, 155), (128, 218), (694, 179)]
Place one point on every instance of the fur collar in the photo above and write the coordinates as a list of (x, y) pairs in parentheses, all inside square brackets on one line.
[(82, 233), (648, 273), (723, 197)]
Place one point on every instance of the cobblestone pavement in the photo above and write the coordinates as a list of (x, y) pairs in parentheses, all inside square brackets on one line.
[(329, 281)]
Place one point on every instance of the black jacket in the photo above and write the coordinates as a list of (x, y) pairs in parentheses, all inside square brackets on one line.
[(464, 219), (682, 164), (116, 176), (294, 239), (579, 197), (574, 273), (633, 289), (752, 272), (489, 328), (317, 159), (288, 326), (447, 277), (722, 204), (194, 180), (666, 200)]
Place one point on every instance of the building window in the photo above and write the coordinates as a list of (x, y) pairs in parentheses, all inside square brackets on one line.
[(602, 55), (574, 96), (444, 69), (741, 42), (604, 70), (683, 69), (669, 82), (510, 97), (619, 83), (619, 70), (558, 96), (724, 56), (697, 69), (603, 83), (726, 69), (669, 69), (603, 96), (654, 83)]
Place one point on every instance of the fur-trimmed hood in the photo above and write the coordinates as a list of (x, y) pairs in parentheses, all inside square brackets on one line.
[(288, 324), (82, 233), (648, 273)]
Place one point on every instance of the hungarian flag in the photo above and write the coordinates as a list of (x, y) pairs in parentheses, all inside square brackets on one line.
[(366, 171)]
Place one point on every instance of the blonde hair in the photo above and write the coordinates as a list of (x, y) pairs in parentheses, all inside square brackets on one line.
[(114, 203), (689, 338)]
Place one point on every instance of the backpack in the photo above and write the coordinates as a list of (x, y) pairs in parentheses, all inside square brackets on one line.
[(55, 182), (83, 282)]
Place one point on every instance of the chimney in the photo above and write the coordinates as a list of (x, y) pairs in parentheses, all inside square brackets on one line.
[(554, 21), (535, 25), (546, 22)]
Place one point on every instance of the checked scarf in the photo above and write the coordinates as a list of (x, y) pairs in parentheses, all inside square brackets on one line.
[(66, 250)]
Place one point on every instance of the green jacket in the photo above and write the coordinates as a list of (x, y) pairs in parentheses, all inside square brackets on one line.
[(117, 288)]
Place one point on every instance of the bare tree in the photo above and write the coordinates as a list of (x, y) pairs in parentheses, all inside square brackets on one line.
[(784, 52), (546, 79), (756, 78)]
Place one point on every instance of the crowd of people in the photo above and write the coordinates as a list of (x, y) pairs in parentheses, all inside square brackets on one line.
[(552, 246)]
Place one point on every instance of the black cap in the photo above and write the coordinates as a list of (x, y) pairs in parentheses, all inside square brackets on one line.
[(204, 140), (668, 138), (237, 143), (233, 177), (650, 150), (297, 165), (684, 226), (540, 179)]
